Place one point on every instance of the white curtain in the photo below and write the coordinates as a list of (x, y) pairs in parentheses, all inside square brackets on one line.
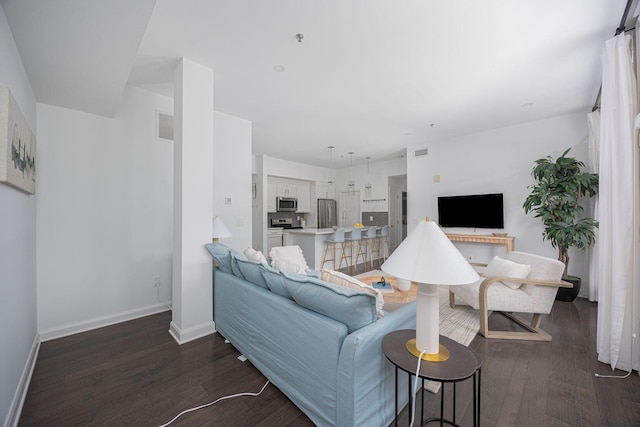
[(617, 256), (594, 167)]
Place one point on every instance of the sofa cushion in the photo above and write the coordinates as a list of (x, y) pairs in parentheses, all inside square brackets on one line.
[(354, 308), (255, 256), (235, 268), (252, 272), (289, 259), (221, 255), (275, 281), (338, 278), (505, 268)]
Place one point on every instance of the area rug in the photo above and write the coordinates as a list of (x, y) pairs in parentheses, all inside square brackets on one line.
[(459, 324)]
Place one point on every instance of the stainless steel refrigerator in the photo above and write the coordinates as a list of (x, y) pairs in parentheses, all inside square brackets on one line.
[(327, 213)]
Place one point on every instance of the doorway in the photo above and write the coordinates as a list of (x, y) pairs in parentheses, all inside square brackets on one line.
[(397, 210)]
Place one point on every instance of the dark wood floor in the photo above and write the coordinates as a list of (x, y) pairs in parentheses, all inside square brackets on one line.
[(134, 374)]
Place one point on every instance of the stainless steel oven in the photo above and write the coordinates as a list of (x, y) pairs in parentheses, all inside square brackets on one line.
[(287, 204)]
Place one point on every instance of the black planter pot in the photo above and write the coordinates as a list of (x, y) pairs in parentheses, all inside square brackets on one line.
[(569, 294)]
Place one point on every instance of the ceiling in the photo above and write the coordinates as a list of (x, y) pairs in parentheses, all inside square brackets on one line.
[(369, 76)]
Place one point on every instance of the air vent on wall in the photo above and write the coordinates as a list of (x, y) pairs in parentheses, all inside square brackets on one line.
[(421, 152), (164, 126)]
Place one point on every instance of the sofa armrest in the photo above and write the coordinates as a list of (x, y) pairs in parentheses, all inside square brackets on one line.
[(488, 281), (366, 379), (296, 349)]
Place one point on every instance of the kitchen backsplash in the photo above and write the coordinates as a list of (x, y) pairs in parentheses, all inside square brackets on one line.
[(378, 219), (295, 222)]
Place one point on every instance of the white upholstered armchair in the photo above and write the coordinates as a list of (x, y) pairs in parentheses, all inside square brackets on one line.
[(520, 283)]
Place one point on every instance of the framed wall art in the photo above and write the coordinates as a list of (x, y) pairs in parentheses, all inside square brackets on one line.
[(17, 146)]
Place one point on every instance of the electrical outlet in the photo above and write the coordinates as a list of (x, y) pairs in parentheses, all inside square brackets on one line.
[(155, 281)]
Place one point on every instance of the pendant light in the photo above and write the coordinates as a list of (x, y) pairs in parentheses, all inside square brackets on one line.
[(332, 179), (352, 183), (367, 187)]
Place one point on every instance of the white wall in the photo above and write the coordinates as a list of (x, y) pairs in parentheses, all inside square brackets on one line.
[(104, 215), (288, 169), (496, 161), (192, 308), (232, 177), (377, 175), (18, 315)]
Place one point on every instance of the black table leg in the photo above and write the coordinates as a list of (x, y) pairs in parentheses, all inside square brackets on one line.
[(396, 421), (479, 392), (422, 404), (441, 404), (454, 403), (410, 402)]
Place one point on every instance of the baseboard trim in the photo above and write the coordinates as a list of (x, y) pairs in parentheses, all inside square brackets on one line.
[(99, 322), (183, 336), (23, 386)]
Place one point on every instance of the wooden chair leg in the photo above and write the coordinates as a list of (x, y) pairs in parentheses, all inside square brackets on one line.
[(375, 247), (354, 264), (343, 254), (535, 321), (533, 327), (324, 255)]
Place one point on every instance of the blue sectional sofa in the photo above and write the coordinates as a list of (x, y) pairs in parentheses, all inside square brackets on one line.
[(319, 343)]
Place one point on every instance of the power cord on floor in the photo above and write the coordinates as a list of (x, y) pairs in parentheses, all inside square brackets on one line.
[(216, 401), (415, 388)]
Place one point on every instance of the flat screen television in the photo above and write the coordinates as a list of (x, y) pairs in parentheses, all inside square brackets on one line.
[(472, 211)]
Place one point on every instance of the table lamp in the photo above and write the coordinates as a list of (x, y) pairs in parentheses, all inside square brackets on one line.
[(428, 257), (220, 230)]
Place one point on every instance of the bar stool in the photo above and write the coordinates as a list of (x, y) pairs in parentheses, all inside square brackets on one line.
[(355, 247), (383, 239), (333, 243), (370, 244)]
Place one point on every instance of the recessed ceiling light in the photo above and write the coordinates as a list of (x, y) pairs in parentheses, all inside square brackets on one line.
[(278, 68), (432, 125), (527, 105), (407, 134)]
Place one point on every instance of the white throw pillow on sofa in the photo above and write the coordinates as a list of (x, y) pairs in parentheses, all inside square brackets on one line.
[(289, 259), (255, 256), (504, 268), (342, 279)]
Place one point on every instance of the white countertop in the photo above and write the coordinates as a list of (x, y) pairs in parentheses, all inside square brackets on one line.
[(310, 231)]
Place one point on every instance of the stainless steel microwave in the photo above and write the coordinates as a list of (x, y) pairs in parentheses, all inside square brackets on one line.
[(286, 204)]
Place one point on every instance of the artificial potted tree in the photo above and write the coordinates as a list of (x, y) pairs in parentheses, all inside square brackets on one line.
[(555, 199)]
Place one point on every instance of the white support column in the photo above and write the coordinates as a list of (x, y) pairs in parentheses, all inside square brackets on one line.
[(192, 202)]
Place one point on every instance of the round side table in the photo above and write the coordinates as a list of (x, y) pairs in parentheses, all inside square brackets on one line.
[(463, 363), (397, 296)]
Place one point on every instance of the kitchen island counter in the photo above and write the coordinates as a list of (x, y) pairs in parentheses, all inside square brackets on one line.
[(311, 241), (312, 231)]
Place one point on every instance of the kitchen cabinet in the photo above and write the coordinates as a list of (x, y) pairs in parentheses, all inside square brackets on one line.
[(303, 190), (274, 238), (271, 196), (286, 189), (282, 187)]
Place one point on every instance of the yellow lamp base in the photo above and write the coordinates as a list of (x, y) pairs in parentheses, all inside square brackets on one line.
[(440, 356)]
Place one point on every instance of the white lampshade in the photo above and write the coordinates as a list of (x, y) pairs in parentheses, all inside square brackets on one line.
[(428, 257), (219, 229)]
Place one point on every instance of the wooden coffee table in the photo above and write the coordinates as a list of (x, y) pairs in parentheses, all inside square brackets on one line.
[(397, 296)]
